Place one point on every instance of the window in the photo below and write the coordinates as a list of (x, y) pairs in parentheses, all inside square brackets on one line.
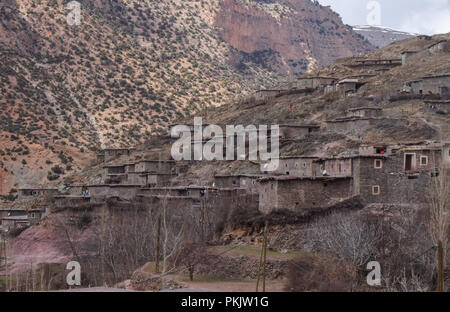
[(423, 160), (375, 190), (378, 164)]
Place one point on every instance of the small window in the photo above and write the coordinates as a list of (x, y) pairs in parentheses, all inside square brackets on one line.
[(380, 150), (423, 160), (378, 164), (375, 190)]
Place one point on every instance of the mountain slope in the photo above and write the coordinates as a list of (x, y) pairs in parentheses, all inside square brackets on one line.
[(382, 36), (133, 66)]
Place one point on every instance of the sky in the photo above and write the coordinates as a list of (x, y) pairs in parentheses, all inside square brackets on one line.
[(426, 17)]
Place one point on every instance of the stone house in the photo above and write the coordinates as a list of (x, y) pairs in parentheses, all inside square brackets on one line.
[(247, 182), (267, 94), (399, 178), (302, 193), (347, 124), (348, 86), (301, 166), (364, 112), (11, 219), (114, 174), (385, 63), (123, 191), (156, 166), (150, 178), (315, 82), (297, 131), (407, 57), (333, 167), (437, 84), (441, 46), (112, 153), (30, 193), (378, 149)]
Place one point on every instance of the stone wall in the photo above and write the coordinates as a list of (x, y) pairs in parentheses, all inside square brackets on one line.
[(296, 166), (431, 85), (293, 131), (298, 195)]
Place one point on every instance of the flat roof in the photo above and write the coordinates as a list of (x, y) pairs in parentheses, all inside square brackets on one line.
[(315, 77), (352, 157), (238, 175), (363, 108), (436, 76), (436, 43), (166, 197), (300, 126), (294, 178), (19, 218)]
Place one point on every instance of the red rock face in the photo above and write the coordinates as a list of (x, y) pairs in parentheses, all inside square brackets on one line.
[(298, 31)]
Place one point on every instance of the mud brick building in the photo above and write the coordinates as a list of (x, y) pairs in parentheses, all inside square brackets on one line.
[(156, 166), (297, 131), (98, 190), (441, 46), (28, 193), (301, 166), (437, 84), (266, 94), (378, 149), (346, 124), (375, 63), (399, 178), (364, 112), (348, 86), (302, 193), (247, 182), (408, 57), (14, 218), (315, 82), (333, 167), (112, 153), (150, 178)]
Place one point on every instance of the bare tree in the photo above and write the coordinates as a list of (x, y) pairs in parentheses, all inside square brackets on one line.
[(439, 202), (346, 236)]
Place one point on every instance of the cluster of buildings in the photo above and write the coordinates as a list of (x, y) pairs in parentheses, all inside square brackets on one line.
[(384, 174), (369, 68)]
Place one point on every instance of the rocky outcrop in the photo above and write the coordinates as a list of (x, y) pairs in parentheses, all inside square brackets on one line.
[(298, 34)]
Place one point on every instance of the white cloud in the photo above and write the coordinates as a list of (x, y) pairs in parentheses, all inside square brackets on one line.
[(433, 19), (417, 16)]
